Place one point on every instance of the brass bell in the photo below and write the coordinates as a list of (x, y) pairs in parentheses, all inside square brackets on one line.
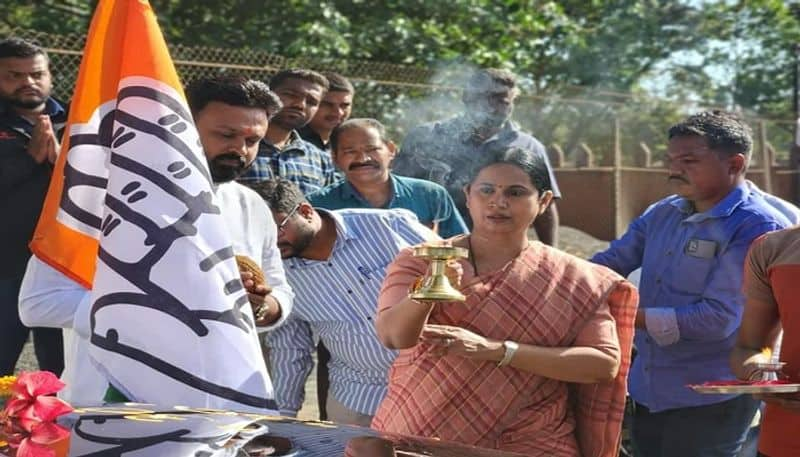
[(436, 286)]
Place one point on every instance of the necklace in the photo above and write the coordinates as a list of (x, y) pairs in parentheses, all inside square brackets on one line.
[(471, 255)]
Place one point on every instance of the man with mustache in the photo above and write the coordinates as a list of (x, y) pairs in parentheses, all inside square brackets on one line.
[(443, 151), (335, 261), (691, 247), (335, 108), (31, 123), (283, 153), (364, 153), (231, 115), (361, 150)]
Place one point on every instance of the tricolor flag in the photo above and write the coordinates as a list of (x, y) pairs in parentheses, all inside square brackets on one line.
[(130, 214)]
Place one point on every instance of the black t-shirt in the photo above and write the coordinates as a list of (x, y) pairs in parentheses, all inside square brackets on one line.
[(23, 186)]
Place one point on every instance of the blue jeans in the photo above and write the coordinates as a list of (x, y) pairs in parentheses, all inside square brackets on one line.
[(47, 342), (717, 430)]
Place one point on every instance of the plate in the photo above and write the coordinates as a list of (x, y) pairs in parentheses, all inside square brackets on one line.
[(746, 388)]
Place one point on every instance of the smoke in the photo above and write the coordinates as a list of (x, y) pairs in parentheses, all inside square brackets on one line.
[(401, 106), (441, 100)]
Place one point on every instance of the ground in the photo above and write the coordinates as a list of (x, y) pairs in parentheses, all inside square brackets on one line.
[(571, 240)]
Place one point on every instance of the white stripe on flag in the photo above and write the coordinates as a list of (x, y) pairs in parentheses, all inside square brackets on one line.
[(167, 327)]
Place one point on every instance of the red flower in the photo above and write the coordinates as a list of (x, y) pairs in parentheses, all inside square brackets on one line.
[(32, 399), (35, 439), (28, 418)]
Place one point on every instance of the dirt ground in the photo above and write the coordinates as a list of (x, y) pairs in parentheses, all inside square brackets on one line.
[(571, 240)]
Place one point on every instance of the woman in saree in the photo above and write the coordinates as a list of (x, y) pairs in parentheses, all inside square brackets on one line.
[(536, 359)]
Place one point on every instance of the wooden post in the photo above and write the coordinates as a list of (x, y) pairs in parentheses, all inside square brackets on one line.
[(584, 157), (616, 181), (770, 151), (768, 158), (644, 157), (765, 156), (616, 144), (556, 155)]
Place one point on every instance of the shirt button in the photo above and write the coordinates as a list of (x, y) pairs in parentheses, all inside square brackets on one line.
[(330, 264), (669, 251), (349, 291), (658, 280)]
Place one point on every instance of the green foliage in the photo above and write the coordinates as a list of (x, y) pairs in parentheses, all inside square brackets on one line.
[(714, 52), (610, 44)]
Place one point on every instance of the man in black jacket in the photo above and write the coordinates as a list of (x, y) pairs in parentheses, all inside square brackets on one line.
[(30, 124)]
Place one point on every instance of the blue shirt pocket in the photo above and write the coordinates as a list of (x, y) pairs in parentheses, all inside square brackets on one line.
[(691, 273)]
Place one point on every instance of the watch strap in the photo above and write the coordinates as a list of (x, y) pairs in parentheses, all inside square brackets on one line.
[(511, 348)]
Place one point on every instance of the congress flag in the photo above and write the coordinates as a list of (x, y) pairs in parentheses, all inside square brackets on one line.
[(131, 214)]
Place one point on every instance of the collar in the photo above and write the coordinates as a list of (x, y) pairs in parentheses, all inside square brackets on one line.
[(295, 143), (343, 232), (724, 208), (310, 135), (349, 191)]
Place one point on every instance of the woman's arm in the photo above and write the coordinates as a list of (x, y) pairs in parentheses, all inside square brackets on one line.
[(594, 357), (579, 364), (400, 319), (400, 326)]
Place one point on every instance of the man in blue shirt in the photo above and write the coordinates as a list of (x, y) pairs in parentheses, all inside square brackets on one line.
[(283, 153), (445, 151), (363, 153), (691, 247), (31, 121), (335, 262)]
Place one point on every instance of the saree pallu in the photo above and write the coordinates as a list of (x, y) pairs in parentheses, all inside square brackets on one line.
[(544, 297)]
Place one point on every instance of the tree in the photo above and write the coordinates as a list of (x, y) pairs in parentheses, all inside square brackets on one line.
[(712, 52)]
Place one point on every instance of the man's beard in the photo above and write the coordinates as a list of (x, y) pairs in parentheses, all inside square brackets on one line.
[(288, 123), (301, 244), (17, 102), (223, 172)]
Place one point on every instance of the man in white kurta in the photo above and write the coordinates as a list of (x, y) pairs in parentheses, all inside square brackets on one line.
[(50, 299)]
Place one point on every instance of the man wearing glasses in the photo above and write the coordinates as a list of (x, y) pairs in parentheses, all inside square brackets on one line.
[(335, 262)]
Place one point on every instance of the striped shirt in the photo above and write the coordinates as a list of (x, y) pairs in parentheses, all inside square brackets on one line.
[(336, 300), (299, 161)]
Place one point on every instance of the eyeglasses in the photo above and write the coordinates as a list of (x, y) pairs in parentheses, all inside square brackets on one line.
[(286, 218)]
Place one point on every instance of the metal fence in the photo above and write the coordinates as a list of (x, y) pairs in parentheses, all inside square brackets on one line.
[(572, 122)]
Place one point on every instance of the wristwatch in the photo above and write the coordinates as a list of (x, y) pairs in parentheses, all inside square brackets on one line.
[(511, 348)]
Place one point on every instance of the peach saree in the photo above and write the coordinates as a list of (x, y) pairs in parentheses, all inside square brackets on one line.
[(543, 297)]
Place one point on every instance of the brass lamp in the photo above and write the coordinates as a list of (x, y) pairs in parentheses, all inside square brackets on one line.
[(436, 286)]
